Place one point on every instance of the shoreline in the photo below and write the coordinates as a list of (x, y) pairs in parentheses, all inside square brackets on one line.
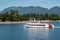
[(13, 22), (54, 21), (8, 22)]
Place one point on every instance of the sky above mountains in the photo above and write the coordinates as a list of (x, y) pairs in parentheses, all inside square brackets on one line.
[(25, 3)]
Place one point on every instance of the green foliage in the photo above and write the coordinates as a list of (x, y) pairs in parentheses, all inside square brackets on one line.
[(10, 16), (42, 16), (13, 15)]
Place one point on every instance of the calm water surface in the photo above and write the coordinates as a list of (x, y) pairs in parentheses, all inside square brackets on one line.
[(19, 32)]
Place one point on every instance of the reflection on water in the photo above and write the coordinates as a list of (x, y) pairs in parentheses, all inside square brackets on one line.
[(38, 33), (19, 32)]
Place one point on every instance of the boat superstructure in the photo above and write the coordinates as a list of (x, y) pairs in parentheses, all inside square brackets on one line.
[(36, 23)]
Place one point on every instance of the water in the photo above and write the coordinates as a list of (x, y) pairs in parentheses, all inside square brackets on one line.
[(19, 32)]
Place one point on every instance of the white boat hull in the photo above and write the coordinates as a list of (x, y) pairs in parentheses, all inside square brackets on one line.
[(38, 24), (29, 26)]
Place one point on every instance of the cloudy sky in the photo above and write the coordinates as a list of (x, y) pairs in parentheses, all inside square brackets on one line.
[(25, 3)]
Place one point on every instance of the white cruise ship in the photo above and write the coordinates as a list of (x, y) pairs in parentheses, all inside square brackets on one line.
[(36, 24)]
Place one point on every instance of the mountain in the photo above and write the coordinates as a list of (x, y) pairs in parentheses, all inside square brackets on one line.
[(55, 10), (32, 9)]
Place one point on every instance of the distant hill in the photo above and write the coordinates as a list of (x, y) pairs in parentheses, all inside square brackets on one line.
[(55, 10), (32, 9)]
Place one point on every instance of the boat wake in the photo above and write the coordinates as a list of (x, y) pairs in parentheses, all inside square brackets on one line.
[(57, 27)]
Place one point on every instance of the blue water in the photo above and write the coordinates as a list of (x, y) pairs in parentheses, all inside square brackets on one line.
[(19, 32)]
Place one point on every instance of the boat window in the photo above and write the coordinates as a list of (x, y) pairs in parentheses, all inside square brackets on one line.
[(34, 22), (43, 22)]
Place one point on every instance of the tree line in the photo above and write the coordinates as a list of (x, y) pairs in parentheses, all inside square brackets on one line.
[(14, 15)]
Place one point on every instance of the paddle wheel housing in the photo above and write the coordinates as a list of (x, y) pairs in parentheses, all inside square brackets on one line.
[(50, 25)]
